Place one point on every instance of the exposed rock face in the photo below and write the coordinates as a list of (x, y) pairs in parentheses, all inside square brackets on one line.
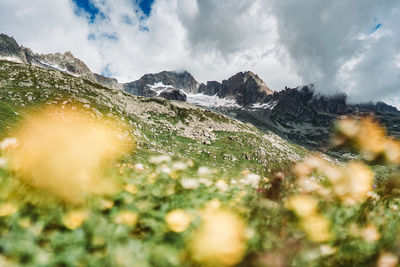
[(9, 48), (302, 105), (211, 88), (107, 82), (246, 87), (173, 94), (180, 80), (306, 118), (69, 63)]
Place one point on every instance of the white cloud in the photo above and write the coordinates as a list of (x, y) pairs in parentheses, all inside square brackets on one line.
[(287, 42), (48, 26), (338, 45)]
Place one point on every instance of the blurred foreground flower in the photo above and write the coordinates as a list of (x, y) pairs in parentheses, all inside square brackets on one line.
[(315, 225), (9, 143), (350, 183), (366, 136), (63, 152), (370, 233), (74, 219), (220, 240), (126, 217), (3, 162), (178, 220), (387, 260), (7, 209)]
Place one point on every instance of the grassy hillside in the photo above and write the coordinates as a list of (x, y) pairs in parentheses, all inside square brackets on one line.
[(198, 189), (157, 125)]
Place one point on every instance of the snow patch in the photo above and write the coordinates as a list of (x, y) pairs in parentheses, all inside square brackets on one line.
[(58, 68), (269, 105), (159, 86), (210, 101), (12, 59)]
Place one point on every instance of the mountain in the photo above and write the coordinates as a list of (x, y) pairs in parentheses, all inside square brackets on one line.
[(149, 84), (245, 88), (297, 114), (12, 51), (175, 128), (305, 117)]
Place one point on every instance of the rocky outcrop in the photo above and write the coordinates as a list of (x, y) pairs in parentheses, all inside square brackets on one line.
[(107, 82), (173, 94), (210, 88), (246, 87), (9, 49), (305, 117), (69, 63), (180, 80)]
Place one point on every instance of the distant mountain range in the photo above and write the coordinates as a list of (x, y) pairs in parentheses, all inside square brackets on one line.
[(298, 114)]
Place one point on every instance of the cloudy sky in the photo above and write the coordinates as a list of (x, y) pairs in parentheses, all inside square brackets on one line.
[(339, 46)]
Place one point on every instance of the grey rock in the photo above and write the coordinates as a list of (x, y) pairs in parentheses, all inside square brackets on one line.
[(211, 88), (10, 48), (173, 94), (246, 87), (180, 80)]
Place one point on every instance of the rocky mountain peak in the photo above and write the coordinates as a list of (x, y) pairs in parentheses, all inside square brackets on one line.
[(9, 49), (246, 87), (179, 80), (69, 63)]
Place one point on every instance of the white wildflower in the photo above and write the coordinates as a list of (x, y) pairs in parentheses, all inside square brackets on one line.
[(160, 159), (252, 179), (166, 169), (3, 162), (203, 171), (190, 183), (221, 185), (179, 166), (139, 167), (8, 143), (206, 182)]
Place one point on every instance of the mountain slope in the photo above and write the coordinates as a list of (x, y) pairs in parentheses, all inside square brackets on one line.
[(159, 126), (306, 118)]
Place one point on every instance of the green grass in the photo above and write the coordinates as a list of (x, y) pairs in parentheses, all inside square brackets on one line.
[(36, 235)]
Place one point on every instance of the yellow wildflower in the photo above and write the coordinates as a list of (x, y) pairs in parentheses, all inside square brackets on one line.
[(7, 209), (178, 220), (74, 219), (126, 217), (131, 188), (370, 233), (220, 240), (316, 228), (106, 204), (62, 152), (302, 205)]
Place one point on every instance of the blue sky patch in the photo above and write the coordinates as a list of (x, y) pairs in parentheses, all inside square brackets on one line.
[(145, 6), (106, 71), (88, 7), (92, 11)]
